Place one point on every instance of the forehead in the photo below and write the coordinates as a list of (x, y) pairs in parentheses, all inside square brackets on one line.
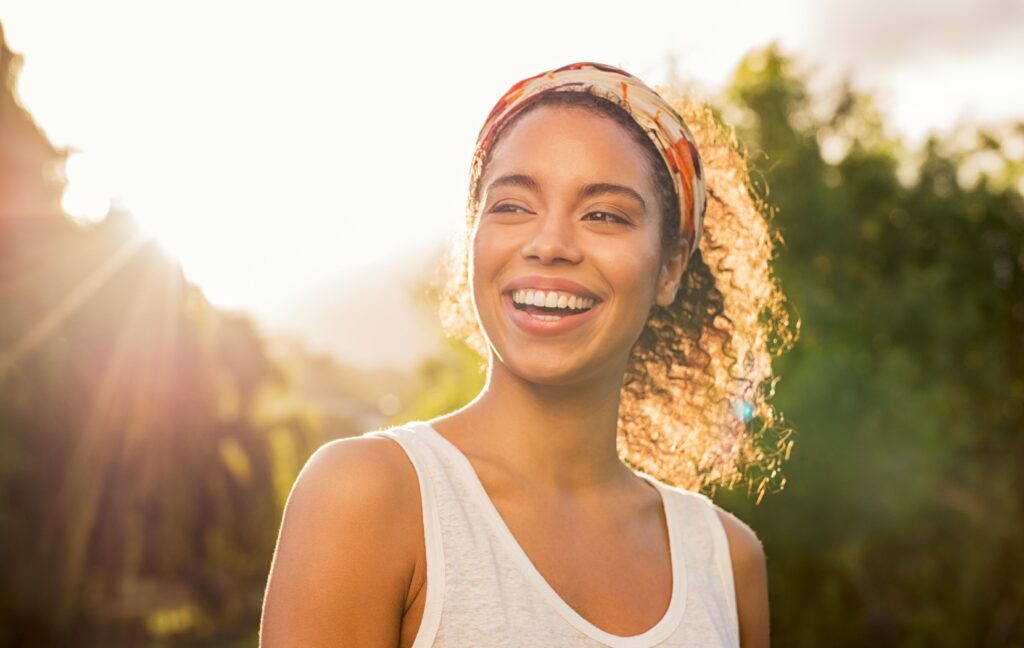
[(570, 144)]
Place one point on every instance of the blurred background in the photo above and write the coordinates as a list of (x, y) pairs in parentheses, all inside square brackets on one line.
[(218, 228)]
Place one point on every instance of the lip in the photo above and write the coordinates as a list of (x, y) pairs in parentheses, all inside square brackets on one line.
[(550, 283), (526, 323)]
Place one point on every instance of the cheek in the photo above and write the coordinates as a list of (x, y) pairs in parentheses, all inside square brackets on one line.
[(489, 251), (630, 269), (482, 252), (496, 241)]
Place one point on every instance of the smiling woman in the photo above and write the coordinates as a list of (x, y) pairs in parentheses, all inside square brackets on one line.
[(615, 275)]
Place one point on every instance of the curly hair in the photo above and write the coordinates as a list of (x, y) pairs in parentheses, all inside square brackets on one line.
[(695, 406)]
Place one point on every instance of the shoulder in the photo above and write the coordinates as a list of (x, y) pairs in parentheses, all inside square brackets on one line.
[(369, 469), (750, 578), (332, 571), (357, 490), (367, 482), (745, 548)]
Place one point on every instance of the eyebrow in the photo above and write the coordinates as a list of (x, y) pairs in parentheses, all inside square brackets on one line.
[(588, 191)]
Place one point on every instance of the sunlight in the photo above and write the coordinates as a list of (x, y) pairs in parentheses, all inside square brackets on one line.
[(86, 198), (70, 303), (123, 400)]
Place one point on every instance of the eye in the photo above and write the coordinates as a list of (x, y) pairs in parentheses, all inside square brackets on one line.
[(605, 217), (507, 207)]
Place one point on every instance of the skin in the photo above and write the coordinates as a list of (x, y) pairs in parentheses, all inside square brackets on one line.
[(541, 435)]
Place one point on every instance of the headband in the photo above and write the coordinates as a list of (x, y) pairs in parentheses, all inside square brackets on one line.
[(658, 119)]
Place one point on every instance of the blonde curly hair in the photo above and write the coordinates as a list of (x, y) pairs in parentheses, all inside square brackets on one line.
[(695, 406)]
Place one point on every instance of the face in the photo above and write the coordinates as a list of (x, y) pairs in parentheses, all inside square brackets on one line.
[(567, 259)]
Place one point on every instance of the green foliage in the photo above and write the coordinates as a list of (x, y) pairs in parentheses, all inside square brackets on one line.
[(444, 383), (902, 521), (142, 496), (448, 380)]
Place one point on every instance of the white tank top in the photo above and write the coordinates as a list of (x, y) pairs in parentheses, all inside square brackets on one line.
[(483, 590)]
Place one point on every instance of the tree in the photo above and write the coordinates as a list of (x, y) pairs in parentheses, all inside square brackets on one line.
[(901, 522)]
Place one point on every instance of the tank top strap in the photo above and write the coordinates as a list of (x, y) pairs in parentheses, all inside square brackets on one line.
[(706, 543), (426, 465)]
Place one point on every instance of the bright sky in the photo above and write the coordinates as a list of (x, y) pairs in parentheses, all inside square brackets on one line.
[(271, 145)]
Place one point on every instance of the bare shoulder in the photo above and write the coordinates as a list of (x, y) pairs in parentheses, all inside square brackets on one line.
[(750, 576), (345, 554), (372, 469), (359, 481), (745, 548)]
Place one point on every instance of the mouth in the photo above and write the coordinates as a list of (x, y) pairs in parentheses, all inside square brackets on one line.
[(549, 312), (550, 305)]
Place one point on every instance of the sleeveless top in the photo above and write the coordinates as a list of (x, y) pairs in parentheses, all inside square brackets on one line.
[(483, 590)]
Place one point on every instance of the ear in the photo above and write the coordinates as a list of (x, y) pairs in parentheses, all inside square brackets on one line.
[(670, 276)]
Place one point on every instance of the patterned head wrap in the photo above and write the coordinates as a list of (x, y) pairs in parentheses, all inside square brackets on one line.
[(659, 120)]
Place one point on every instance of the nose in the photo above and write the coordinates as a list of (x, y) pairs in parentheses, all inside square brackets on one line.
[(552, 240)]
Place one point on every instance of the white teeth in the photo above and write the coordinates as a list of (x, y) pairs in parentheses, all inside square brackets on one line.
[(551, 299)]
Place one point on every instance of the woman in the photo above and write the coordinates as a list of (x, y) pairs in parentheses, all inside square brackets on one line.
[(609, 323)]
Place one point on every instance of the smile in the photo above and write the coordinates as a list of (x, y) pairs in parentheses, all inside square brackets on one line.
[(551, 305), (546, 312)]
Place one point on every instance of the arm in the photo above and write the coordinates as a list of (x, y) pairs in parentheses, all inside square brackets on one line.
[(750, 575), (343, 564)]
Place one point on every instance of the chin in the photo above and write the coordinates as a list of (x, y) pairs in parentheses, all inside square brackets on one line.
[(554, 371)]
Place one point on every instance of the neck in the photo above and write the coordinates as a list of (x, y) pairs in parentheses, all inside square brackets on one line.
[(558, 437)]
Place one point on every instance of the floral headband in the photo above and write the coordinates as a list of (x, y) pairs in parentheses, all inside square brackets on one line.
[(659, 120)]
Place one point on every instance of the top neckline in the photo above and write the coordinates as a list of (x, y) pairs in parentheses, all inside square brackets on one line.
[(656, 633)]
